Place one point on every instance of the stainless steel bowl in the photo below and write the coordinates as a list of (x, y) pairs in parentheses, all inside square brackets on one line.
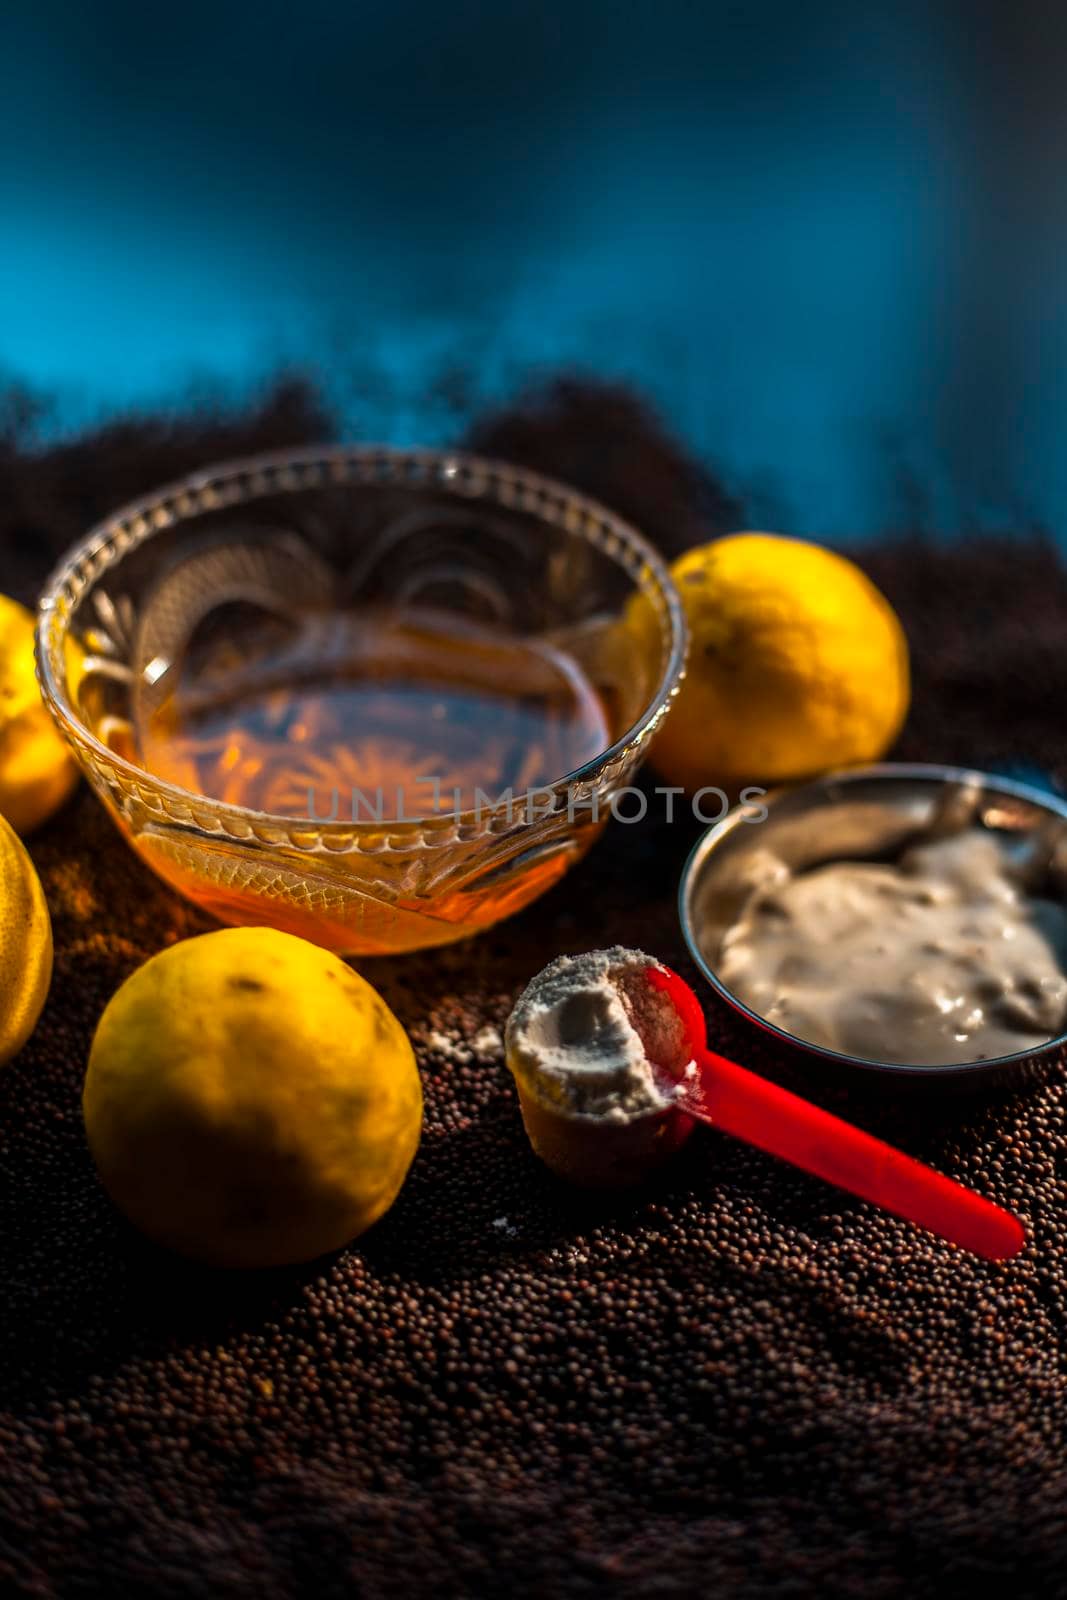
[(866, 812)]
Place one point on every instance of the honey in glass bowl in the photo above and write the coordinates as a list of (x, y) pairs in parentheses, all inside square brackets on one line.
[(374, 714), (379, 698)]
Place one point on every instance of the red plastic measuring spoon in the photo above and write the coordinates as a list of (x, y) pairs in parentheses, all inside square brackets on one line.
[(752, 1108)]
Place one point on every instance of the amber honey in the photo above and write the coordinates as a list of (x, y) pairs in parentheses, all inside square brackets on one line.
[(372, 717)]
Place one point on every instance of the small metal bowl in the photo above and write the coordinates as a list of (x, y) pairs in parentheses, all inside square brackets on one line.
[(867, 812)]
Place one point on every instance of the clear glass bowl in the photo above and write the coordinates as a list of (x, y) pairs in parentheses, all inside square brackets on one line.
[(297, 541)]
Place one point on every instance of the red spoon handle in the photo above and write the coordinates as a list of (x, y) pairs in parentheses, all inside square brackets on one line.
[(760, 1112), (754, 1109)]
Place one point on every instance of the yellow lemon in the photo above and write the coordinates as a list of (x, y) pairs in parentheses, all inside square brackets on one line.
[(250, 1100), (37, 772), (797, 664), (25, 944)]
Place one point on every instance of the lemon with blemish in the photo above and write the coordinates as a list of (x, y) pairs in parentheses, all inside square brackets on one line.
[(37, 772), (797, 664), (250, 1100), (25, 944)]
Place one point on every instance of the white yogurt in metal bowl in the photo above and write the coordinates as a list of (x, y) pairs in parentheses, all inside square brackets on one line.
[(912, 918)]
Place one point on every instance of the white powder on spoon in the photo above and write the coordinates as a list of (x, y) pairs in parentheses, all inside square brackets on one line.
[(598, 1055)]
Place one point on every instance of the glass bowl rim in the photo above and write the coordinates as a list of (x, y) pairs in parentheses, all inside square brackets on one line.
[(421, 466)]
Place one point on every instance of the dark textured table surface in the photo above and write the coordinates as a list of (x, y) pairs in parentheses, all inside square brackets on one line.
[(736, 1381)]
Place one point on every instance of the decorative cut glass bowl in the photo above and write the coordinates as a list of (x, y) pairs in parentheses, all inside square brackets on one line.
[(307, 536)]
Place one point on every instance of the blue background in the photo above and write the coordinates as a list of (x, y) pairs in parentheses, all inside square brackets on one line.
[(826, 242)]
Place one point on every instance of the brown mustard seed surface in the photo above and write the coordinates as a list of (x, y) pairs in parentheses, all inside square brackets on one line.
[(734, 1382)]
